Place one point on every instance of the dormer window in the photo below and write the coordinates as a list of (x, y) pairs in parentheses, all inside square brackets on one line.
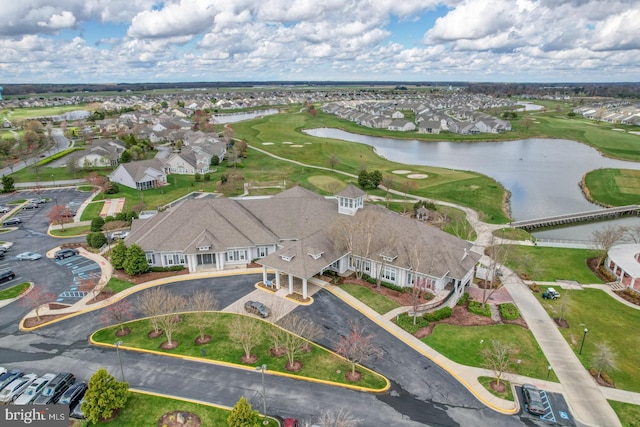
[(387, 258), (315, 254), (287, 257), (204, 248)]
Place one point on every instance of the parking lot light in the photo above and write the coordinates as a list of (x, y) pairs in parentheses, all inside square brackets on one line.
[(549, 368), (54, 180), (583, 337), (118, 344), (264, 397)]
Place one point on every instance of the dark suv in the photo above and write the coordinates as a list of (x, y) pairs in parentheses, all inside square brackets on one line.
[(6, 275), (12, 221), (258, 308), (65, 253), (52, 392), (73, 395)]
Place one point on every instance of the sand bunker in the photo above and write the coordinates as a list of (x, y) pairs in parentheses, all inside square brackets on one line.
[(417, 176), (287, 142), (297, 146), (401, 172), (267, 143)]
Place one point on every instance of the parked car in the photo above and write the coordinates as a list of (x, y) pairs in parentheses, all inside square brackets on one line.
[(30, 206), (38, 200), (34, 390), (116, 235), (65, 253), (256, 307), (290, 422), (11, 221), (15, 387), (76, 412), (2, 370), (73, 394), (7, 377), (28, 256), (6, 275), (4, 209), (550, 293), (55, 388), (533, 399)]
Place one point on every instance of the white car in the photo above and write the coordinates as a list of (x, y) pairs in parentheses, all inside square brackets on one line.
[(33, 390), (15, 387), (28, 256)]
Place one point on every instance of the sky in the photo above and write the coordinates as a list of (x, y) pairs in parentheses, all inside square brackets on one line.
[(130, 41)]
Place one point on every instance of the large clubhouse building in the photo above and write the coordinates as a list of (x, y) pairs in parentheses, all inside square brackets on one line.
[(299, 234)]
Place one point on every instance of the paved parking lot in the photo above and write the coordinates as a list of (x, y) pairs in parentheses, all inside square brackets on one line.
[(557, 409), (82, 269)]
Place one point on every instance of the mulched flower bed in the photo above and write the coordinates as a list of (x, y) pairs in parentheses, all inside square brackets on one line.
[(203, 340), (179, 419), (33, 322), (147, 277)]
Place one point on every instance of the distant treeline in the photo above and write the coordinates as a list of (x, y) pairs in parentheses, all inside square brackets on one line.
[(612, 90)]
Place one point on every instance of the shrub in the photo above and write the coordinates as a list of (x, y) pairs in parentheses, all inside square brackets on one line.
[(97, 223), (437, 315), (197, 177), (207, 177), (405, 321), (165, 269), (113, 188), (135, 261), (464, 299), (387, 285), (476, 307), (118, 255), (96, 240), (509, 311), (534, 287)]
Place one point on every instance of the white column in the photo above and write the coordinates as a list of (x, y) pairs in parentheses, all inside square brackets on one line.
[(304, 288), (278, 279), (290, 284), (264, 274), (219, 262), (192, 263)]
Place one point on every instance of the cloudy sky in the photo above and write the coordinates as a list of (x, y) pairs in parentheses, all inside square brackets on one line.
[(98, 41)]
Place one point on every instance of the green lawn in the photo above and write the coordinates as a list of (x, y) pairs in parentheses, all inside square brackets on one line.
[(614, 187), (319, 363), (13, 291), (85, 188), (486, 382), (513, 234), (629, 414), (92, 210), (607, 321), (70, 231), (462, 344), (116, 285), (144, 410), (377, 302), (550, 264)]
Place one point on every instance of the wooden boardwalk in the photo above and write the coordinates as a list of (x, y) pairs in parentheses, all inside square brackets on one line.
[(595, 215)]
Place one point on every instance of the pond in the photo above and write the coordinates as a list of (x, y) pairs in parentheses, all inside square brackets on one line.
[(238, 117)]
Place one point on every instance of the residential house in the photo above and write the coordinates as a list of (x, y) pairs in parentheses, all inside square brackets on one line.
[(298, 234), (100, 153), (140, 175)]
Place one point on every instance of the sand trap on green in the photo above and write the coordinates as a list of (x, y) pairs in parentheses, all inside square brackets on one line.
[(327, 183), (308, 143), (297, 146), (267, 143), (401, 172), (287, 142), (417, 176)]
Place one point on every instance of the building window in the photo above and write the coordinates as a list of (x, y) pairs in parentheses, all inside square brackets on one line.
[(236, 255), (263, 251), (389, 274), (151, 259)]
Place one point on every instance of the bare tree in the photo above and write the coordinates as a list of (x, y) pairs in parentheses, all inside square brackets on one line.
[(202, 303), (497, 256), (168, 322), (527, 122), (295, 336), (497, 357), (415, 256), (117, 313), (152, 304), (36, 298), (89, 284), (59, 214), (247, 332), (337, 418), (357, 346), (603, 359), (604, 239)]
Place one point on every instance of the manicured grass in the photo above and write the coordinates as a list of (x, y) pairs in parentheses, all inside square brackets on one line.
[(26, 113), (92, 210), (145, 410), (550, 264), (319, 363), (462, 344), (507, 395), (512, 234), (607, 321), (14, 291), (377, 302), (614, 187), (628, 413), (85, 188), (116, 285), (72, 231)]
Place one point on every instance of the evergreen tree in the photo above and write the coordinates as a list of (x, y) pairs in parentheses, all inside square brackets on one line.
[(135, 261), (125, 157), (104, 396), (243, 416), (96, 240), (7, 184), (118, 255)]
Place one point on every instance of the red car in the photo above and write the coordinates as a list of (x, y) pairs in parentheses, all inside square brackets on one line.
[(291, 422)]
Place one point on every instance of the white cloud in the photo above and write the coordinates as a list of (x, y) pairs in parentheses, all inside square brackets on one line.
[(59, 22)]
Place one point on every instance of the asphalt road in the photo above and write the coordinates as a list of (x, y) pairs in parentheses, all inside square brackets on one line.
[(421, 392)]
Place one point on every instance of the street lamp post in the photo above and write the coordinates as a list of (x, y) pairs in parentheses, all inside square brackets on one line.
[(583, 337), (264, 396), (118, 344), (54, 180), (549, 371)]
